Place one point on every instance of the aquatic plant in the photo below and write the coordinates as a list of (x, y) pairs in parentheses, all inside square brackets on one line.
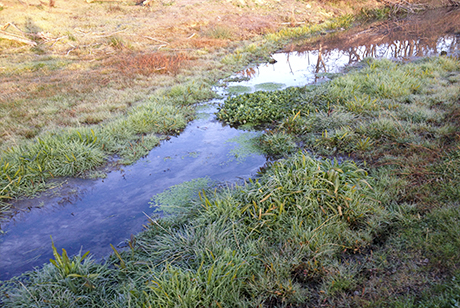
[(266, 107), (179, 198), (238, 89), (269, 86), (246, 145)]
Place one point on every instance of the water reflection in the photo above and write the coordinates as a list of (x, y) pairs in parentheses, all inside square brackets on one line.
[(422, 35)]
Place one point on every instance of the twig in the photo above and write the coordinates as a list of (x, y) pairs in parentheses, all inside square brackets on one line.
[(110, 34), (23, 3), (17, 38), (191, 36), (35, 299), (157, 40), (70, 50), (56, 40), (290, 23)]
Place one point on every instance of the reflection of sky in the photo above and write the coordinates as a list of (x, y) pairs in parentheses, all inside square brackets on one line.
[(300, 68)]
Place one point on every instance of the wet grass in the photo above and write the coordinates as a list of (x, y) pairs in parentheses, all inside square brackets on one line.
[(399, 120), (269, 241), (26, 168)]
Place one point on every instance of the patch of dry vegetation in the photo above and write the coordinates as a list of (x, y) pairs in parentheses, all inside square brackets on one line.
[(149, 64)]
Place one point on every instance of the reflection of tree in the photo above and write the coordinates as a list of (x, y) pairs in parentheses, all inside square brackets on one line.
[(320, 63), (418, 36), (249, 72), (399, 49)]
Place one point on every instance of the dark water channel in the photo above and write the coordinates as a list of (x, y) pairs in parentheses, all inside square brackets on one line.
[(91, 214)]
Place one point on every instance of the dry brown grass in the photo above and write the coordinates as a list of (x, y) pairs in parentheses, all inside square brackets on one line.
[(151, 63)]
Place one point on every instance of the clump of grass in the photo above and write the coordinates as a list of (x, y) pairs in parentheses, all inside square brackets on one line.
[(367, 14), (188, 93), (344, 21), (116, 42), (220, 32), (277, 144)]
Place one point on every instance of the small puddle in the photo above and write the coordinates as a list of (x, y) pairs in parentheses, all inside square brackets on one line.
[(91, 214)]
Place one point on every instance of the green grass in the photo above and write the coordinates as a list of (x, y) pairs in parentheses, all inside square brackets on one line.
[(271, 240), (400, 120)]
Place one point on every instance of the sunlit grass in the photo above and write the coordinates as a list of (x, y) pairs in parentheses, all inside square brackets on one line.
[(267, 240)]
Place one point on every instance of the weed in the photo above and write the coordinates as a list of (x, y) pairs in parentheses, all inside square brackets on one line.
[(116, 42), (66, 267)]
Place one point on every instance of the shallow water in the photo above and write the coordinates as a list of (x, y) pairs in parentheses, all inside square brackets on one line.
[(91, 214), (109, 210)]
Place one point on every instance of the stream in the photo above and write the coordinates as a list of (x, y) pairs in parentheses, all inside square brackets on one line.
[(92, 214)]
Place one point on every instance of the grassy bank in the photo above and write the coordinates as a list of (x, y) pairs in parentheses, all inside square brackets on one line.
[(310, 231), (272, 241), (399, 120)]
